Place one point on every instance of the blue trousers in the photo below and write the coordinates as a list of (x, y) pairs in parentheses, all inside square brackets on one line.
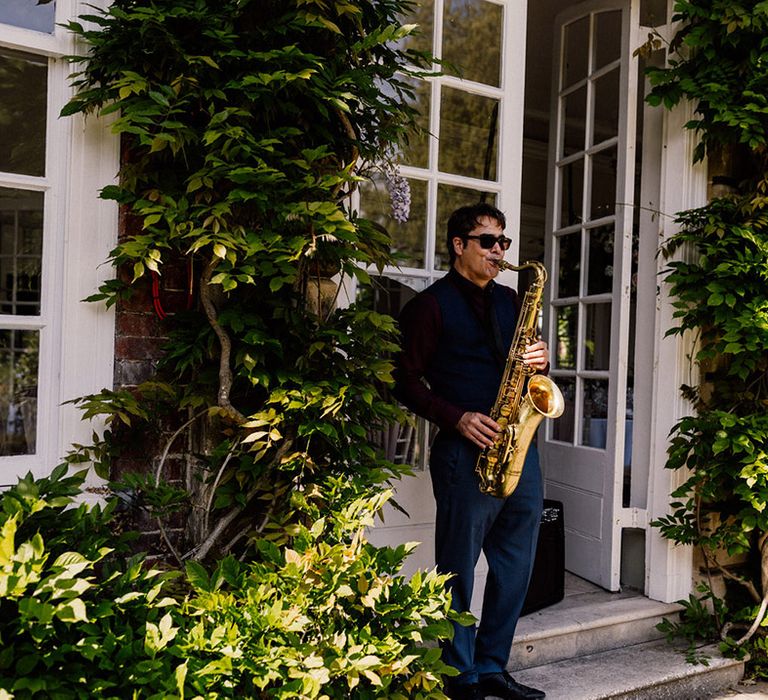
[(505, 530)]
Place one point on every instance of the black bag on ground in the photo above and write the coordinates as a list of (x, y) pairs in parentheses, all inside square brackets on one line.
[(547, 585)]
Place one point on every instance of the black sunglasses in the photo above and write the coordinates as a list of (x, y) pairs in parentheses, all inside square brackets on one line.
[(488, 240)]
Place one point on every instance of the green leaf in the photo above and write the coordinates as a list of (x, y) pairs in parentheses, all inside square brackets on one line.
[(72, 611), (197, 575)]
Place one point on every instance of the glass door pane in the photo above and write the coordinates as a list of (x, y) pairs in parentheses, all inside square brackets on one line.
[(469, 134), (472, 40)]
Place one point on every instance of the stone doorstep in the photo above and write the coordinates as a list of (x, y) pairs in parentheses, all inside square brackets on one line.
[(650, 671), (587, 624)]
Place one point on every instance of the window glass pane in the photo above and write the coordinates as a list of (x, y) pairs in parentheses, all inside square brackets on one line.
[(566, 322), (23, 88), (562, 428), (450, 198), (600, 275), (607, 37), (408, 237), (595, 413), (569, 265), (387, 295), (597, 336), (574, 121), (421, 13), (606, 124), (472, 39), (29, 14), (575, 51), (604, 172), (21, 248), (653, 13), (18, 391), (469, 126), (572, 191), (416, 150)]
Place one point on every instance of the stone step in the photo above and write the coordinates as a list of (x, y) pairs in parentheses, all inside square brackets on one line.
[(587, 624), (649, 671)]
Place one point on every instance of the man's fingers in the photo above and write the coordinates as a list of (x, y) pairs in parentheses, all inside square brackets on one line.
[(537, 355), (478, 428)]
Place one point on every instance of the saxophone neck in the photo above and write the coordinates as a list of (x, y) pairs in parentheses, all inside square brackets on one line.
[(539, 269)]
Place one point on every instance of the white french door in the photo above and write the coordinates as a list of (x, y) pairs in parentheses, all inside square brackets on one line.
[(589, 248), (470, 151)]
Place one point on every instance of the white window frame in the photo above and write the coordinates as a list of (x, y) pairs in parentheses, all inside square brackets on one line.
[(507, 186), (79, 230)]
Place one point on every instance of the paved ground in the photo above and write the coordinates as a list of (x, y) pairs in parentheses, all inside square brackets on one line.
[(749, 690)]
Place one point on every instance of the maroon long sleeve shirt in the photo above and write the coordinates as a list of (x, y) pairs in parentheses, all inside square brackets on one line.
[(421, 325)]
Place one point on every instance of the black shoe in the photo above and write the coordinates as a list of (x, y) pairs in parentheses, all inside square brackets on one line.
[(465, 691), (502, 685)]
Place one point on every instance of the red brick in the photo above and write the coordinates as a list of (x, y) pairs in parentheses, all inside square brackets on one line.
[(141, 325), (140, 300), (130, 348), (174, 470)]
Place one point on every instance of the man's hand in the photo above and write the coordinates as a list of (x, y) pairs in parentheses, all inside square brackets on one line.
[(537, 355), (478, 428)]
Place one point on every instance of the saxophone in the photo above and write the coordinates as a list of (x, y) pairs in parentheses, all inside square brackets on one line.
[(500, 465)]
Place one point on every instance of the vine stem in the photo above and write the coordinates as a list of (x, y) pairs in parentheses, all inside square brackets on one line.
[(158, 472), (350, 131), (225, 370), (167, 540), (169, 443), (215, 485), (201, 550), (751, 631), (334, 301), (763, 603)]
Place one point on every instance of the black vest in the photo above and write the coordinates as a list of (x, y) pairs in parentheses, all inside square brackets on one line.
[(469, 363)]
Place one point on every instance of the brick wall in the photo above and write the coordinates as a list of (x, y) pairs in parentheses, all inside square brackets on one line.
[(140, 333)]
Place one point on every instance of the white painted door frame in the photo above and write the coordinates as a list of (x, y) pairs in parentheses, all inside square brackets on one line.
[(683, 186)]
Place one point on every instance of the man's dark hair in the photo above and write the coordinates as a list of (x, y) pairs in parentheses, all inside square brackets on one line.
[(464, 219)]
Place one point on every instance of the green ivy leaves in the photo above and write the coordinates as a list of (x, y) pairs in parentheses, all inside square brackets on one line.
[(719, 61)]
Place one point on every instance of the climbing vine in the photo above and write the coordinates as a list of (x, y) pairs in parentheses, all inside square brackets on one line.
[(719, 61), (246, 128)]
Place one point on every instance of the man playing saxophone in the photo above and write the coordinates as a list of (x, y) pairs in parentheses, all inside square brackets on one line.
[(456, 335)]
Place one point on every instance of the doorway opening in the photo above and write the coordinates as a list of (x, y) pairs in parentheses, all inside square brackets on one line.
[(590, 182)]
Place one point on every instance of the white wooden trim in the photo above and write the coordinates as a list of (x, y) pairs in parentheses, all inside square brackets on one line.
[(510, 127), (87, 329), (683, 186)]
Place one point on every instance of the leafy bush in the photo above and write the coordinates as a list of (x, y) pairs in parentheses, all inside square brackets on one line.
[(326, 617), (321, 613), (247, 126), (76, 621), (717, 60)]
